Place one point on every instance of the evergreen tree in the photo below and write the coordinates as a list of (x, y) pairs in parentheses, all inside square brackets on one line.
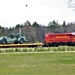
[(35, 24)]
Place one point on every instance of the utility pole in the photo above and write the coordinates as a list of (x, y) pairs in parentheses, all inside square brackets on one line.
[(20, 30)]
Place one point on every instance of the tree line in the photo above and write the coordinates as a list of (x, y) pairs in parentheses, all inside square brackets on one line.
[(36, 32)]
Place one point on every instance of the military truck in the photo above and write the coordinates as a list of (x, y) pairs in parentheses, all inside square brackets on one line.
[(13, 39)]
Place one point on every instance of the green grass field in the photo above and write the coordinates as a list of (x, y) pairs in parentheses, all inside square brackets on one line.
[(56, 63)]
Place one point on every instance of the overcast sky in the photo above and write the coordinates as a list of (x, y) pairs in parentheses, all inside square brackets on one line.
[(14, 12)]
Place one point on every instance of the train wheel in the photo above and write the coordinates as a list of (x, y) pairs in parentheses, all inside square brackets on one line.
[(22, 41)]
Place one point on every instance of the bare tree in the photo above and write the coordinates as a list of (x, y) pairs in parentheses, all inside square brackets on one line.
[(71, 3)]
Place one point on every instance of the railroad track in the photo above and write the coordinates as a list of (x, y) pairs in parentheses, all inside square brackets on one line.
[(21, 45)]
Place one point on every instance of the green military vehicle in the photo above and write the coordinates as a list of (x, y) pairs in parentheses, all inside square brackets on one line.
[(13, 39)]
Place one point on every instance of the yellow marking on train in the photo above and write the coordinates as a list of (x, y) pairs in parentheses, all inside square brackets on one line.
[(61, 36)]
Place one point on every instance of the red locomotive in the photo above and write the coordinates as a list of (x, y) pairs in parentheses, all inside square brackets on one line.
[(55, 39)]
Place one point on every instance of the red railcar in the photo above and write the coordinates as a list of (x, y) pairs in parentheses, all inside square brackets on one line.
[(60, 39)]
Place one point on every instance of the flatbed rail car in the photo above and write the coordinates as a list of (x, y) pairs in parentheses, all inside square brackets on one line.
[(55, 39), (21, 45)]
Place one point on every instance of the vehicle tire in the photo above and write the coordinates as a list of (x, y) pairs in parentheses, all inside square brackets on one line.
[(21, 41), (4, 41), (16, 42)]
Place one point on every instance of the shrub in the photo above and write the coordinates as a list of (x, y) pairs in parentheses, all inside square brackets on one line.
[(30, 50), (0, 51), (61, 48), (17, 50), (24, 50), (72, 48), (55, 49), (9, 50), (37, 42), (35, 50)]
